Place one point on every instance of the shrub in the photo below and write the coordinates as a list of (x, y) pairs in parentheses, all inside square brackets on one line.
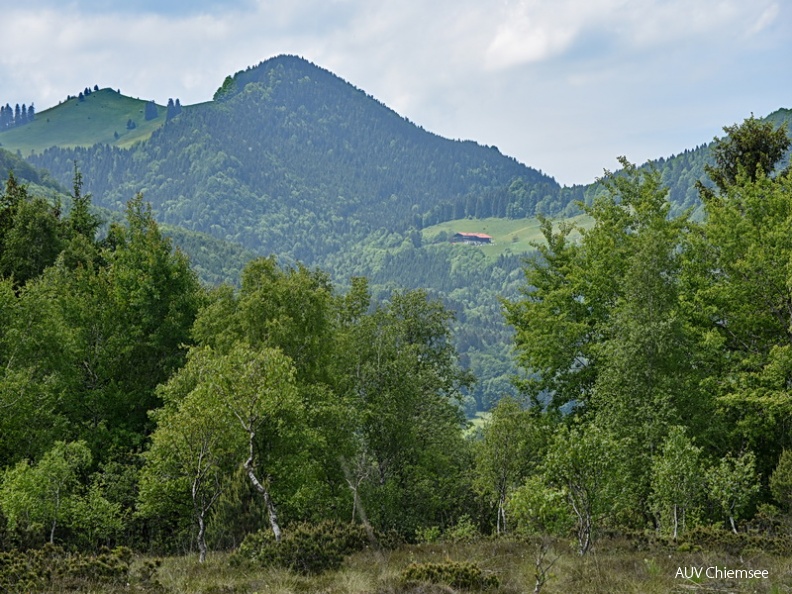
[(50, 567), (457, 575), (428, 534), (306, 549), (463, 531)]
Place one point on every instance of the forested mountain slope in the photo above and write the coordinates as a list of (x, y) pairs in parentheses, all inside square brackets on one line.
[(39, 180), (680, 172), (291, 159)]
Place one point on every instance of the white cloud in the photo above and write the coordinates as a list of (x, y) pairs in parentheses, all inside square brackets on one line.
[(766, 18)]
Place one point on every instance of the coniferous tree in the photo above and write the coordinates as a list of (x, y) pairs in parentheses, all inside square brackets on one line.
[(151, 111), (170, 110), (81, 220)]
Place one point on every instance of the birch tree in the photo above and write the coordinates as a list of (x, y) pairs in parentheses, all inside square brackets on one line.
[(257, 388), (732, 484), (192, 452), (507, 451), (677, 482), (583, 464), (225, 410), (42, 495)]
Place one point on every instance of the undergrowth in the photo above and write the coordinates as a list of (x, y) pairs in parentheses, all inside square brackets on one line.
[(495, 566)]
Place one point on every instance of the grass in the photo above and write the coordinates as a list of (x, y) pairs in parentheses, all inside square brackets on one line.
[(516, 236), (76, 123), (613, 567), (478, 421)]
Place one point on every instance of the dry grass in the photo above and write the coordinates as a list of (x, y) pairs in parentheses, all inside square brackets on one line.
[(611, 569)]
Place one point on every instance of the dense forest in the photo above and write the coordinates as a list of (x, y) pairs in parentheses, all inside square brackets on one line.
[(106, 342)]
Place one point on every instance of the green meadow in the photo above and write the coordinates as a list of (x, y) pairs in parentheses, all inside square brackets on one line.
[(516, 236), (100, 117)]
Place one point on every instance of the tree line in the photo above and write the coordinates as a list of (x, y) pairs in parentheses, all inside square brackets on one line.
[(17, 116), (173, 417), (658, 351), (169, 415)]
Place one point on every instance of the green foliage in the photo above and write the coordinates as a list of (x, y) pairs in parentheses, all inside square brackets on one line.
[(405, 383), (540, 509), (225, 91), (306, 548), (677, 483), (552, 323), (428, 534), (38, 181), (216, 405), (781, 480), (510, 448), (44, 495), (48, 495), (659, 331), (131, 313), (738, 273), (467, 576), (655, 332), (751, 149), (30, 233), (463, 531), (711, 538), (584, 463), (733, 484)]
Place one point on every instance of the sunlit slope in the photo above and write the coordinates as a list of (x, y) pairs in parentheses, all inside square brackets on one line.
[(514, 236), (101, 117)]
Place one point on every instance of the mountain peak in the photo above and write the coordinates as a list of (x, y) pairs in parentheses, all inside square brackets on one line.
[(288, 66)]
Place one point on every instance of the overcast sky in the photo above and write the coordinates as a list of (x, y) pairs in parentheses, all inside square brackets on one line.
[(562, 85)]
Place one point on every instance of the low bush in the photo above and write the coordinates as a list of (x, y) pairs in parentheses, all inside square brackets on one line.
[(457, 575), (710, 538), (50, 567), (306, 548)]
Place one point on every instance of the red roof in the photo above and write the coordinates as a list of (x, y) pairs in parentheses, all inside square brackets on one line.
[(476, 235)]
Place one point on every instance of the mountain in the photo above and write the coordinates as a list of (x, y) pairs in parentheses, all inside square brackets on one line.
[(290, 159)]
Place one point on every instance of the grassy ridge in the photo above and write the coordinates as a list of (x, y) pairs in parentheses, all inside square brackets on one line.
[(516, 236), (76, 123)]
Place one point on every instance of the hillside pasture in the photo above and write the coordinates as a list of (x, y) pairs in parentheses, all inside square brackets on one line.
[(94, 120), (515, 236)]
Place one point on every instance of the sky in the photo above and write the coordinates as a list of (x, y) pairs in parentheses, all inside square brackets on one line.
[(565, 86)]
